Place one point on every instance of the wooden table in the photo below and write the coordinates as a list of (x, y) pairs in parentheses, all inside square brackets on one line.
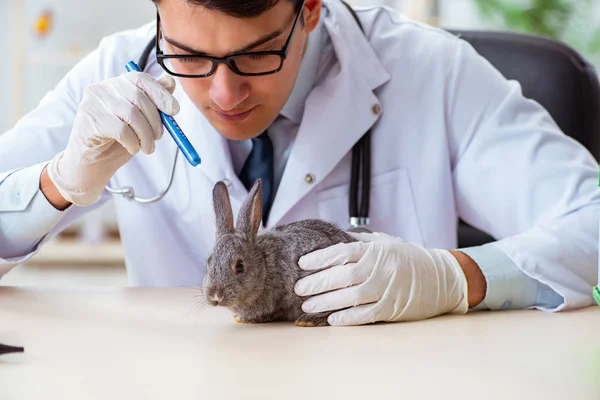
[(149, 344)]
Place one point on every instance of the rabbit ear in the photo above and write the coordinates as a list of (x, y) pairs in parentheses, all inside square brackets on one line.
[(250, 214), (222, 206)]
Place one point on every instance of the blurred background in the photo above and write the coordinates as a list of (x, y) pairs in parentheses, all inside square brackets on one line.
[(42, 39)]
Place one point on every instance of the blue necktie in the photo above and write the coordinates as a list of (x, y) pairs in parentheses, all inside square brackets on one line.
[(259, 165)]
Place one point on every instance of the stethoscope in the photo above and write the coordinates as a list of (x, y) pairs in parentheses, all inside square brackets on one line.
[(360, 169)]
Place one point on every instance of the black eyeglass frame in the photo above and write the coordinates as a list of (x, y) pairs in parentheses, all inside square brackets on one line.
[(228, 60)]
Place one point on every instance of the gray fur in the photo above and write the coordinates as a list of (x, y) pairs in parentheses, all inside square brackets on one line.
[(222, 207), (264, 292)]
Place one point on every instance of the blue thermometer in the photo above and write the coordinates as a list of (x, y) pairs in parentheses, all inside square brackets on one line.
[(174, 130)]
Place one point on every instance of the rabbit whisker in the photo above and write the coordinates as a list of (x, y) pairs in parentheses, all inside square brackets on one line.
[(196, 308)]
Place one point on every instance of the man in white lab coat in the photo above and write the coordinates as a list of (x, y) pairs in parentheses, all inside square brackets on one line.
[(450, 138)]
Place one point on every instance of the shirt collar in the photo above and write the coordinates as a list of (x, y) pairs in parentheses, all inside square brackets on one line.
[(294, 107)]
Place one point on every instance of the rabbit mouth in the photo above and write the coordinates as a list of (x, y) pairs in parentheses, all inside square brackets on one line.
[(215, 298), (217, 301)]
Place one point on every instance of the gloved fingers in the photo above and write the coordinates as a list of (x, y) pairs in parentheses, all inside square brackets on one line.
[(143, 107), (167, 82), (128, 139), (155, 91), (116, 101), (338, 254), (139, 125), (372, 236), (342, 298), (134, 101), (360, 315), (362, 236), (337, 277)]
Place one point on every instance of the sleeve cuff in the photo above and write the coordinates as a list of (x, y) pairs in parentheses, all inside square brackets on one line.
[(507, 286), (26, 216)]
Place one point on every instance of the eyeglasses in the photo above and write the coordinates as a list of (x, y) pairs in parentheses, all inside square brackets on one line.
[(246, 63)]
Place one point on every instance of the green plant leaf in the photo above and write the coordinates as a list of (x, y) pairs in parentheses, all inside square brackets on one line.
[(569, 21), (594, 45), (542, 17)]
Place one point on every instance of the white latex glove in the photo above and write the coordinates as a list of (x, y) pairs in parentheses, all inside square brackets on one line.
[(116, 119), (382, 278)]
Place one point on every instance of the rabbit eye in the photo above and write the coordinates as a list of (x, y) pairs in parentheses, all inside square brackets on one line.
[(239, 267)]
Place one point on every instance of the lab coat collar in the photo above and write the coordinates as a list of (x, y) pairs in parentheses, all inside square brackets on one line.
[(352, 46), (338, 111), (294, 106)]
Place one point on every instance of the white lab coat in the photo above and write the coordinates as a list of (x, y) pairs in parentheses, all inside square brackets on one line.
[(451, 138)]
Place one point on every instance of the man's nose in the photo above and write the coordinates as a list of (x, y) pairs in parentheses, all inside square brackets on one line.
[(227, 89)]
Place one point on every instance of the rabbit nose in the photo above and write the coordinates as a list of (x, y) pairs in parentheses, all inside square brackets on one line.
[(216, 297)]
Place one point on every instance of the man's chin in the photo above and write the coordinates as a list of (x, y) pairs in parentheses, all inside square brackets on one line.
[(244, 130), (237, 133)]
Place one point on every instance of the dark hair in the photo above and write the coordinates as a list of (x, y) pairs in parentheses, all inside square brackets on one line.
[(237, 8)]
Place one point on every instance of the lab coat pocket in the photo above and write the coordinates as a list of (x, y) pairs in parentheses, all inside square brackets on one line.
[(392, 206)]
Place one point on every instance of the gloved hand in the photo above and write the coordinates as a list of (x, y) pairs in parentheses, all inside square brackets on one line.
[(382, 278), (116, 119)]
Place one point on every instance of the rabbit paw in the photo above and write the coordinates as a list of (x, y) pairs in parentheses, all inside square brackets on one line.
[(312, 320), (304, 324), (241, 321)]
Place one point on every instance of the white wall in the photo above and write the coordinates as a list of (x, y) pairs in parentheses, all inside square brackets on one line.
[(455, 14)]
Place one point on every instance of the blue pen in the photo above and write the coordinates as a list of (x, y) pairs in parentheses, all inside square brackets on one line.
[(174, 130)]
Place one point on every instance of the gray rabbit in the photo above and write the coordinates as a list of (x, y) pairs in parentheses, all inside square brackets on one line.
[(253, 274)]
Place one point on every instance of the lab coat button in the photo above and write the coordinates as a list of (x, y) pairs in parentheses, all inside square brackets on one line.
[(227, 182), (309, 178), (16, 198), (376, 109)]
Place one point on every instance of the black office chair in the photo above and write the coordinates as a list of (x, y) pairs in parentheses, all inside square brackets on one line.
[(551, 73)]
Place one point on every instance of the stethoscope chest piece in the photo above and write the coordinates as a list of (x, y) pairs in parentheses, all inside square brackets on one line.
[(359, 225)]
